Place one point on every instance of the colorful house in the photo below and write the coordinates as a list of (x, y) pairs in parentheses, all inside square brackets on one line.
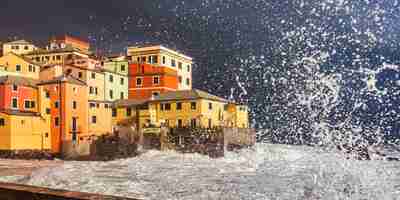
[(147, 80), (185, 108), (68, 108), (16, 64), (196, 108), (99, 111), (116, 79), (24, 124), (18, 47), (161, 56)]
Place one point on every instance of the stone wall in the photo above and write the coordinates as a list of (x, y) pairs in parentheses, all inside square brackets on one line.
[(26, 154), (10, 191)]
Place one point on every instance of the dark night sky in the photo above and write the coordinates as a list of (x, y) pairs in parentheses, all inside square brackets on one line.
[(223, 34)]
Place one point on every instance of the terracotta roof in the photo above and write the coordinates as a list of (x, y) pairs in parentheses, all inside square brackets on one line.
[(17, 80), (20, 113), (129, 103), (188, 95), (63, 79)]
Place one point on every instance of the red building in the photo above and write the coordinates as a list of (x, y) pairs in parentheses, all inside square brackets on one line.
[(147, 80), (18, 93)]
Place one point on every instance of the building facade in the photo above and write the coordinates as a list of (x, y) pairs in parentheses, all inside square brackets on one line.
[(19, 65), (68, 108), (146, 80), (18, 47), (185, 108), (116, 79), (162, 56), (24, 124)]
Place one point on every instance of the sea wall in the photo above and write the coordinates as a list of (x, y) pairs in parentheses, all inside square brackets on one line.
[(9, 191)]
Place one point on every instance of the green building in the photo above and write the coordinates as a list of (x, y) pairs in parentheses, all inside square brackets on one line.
[(116, 78)]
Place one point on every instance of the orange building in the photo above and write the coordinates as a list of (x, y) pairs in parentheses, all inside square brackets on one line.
[(68, 108), (147, 80)]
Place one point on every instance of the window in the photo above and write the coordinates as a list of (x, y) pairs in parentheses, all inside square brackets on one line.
[(93, 75), (96, 90), (123, 68), (26, 47), (58, 57), (150, 59), (143, 59), (47, 94), (128, 111), (15, 88), (56, 104), (180, 79), (122, 95), (188, 68), (209, 123), (114, 112), (46, 135), (187, 81), (179, 65), (94, 119), (80, 74), (18, 68), (167, 106), (193, 123), (226, 106), (111, 94), (74, 104), (111, 78), (30, 68), (193, 105), (155, 94), (92, 105), (48, 111), (14, 102), (163, 60), (139, 81), (173, 63), (162, 106), (56, 121), (106, 105), (179, 106), (122, 81), (27, 104), (180, 123), (210, 106), (156, 80), (2, 122), (155, 59), (91, 91)]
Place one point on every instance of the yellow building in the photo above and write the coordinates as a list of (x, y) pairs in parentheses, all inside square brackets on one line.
[(125, 112), (185, 108), (100, 120), (24, 131), (18, 47), (20, 65), (196, 108), (162, 56)]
